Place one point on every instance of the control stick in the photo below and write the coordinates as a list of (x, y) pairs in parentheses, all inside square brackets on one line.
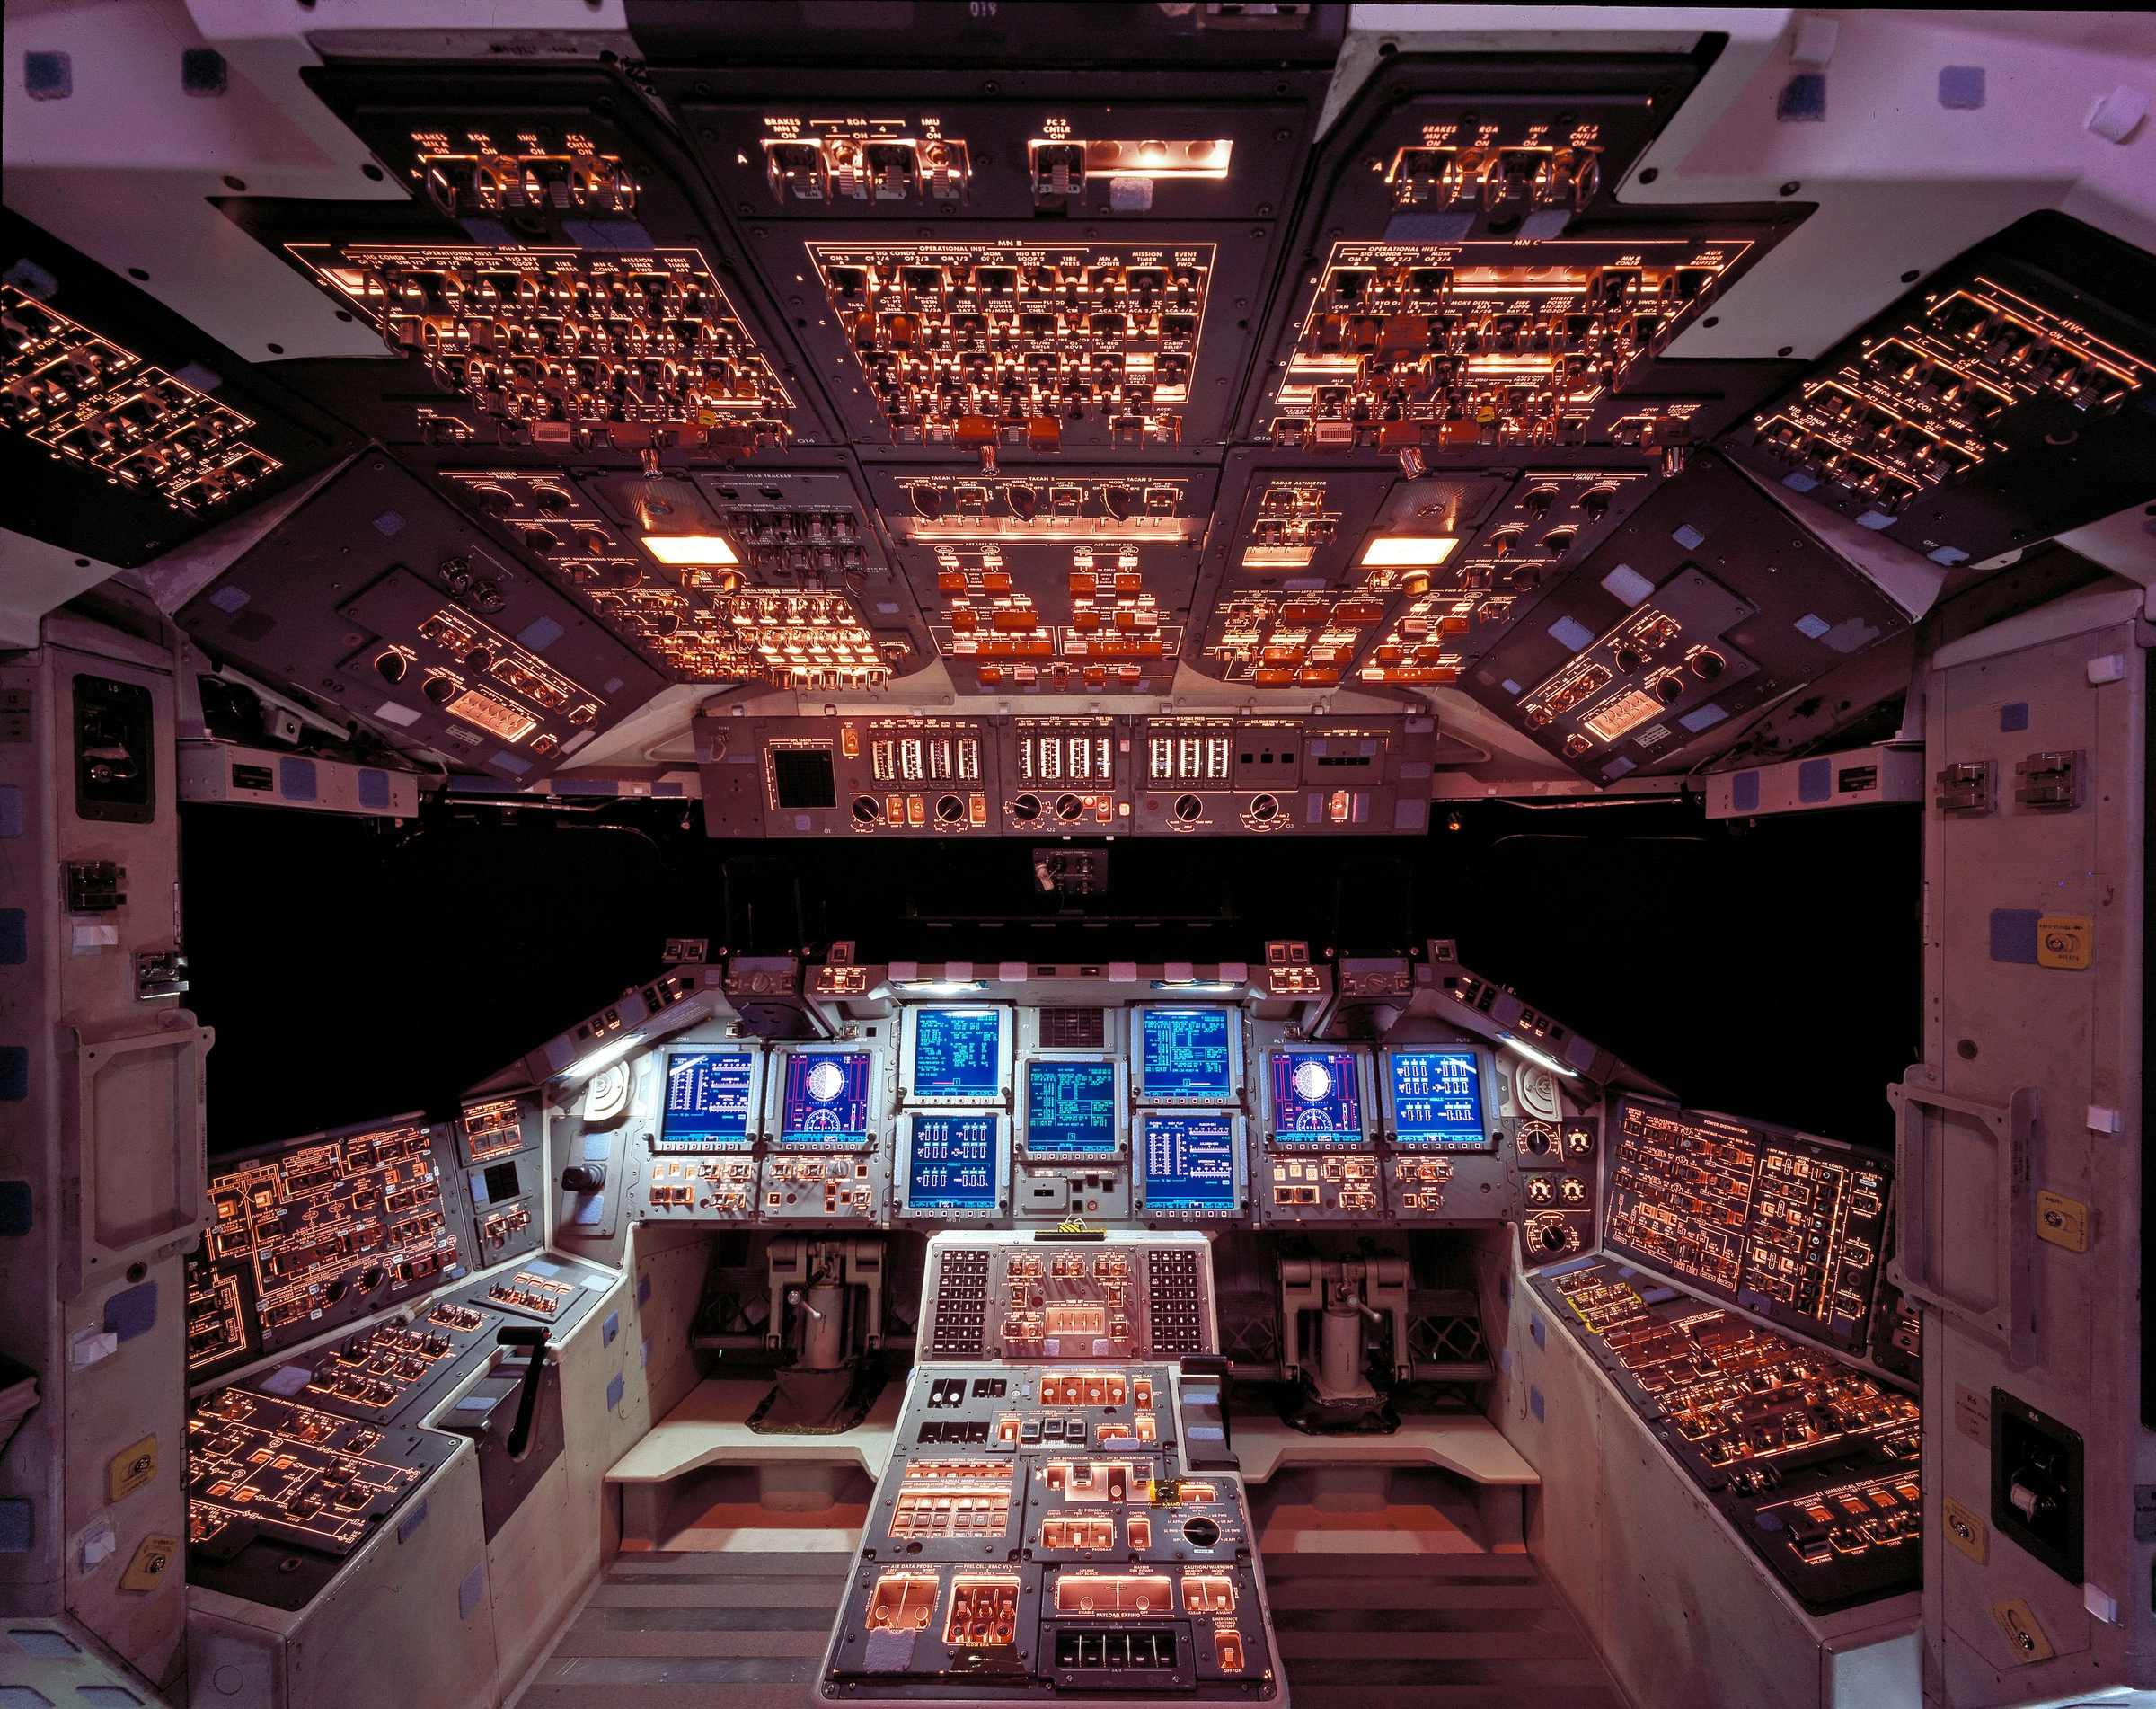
[(520, 1433)]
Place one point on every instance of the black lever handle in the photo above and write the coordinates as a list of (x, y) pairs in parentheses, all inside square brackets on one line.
[(520, 1433)]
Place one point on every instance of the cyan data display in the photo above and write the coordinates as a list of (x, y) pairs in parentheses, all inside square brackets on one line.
[(826, 1099), (707, 1101), (1315, 1097), (956, 1052), (952, 1165), (1190, 1163), (1070, 1107), (1438, 1100), (1183, 1053)]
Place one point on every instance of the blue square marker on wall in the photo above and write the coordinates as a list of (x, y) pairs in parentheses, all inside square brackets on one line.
[(133, 1311), (2014, 933), (1803, 98)]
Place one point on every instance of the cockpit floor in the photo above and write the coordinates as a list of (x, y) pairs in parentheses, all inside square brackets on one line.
[(746, 1629)]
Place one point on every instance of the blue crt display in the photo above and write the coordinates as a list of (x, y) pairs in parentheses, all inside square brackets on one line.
[(1438, 1099), (956, 1052), (1184, 1054), (1315, 1097), (1190, 1163), (1070, 1106), (826, 1099), (953, 1163), (707, 1101)]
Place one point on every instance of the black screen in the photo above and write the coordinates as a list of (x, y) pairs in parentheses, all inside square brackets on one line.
[(803, 778)]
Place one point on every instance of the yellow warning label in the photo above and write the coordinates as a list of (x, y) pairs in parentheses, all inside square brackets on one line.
[(2064, 1222), (1964, 1530), (2065, 940)]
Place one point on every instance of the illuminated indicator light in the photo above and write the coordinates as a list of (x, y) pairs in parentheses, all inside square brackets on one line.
[(689, 548), (1402, 551)]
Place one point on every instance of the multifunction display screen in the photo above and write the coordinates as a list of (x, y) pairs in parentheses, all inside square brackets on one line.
[(1185, 1054), (826, 1102), (1070, 1107), (1316, 1097), (1438, 1100), (952, 1165), (957, 1053), (708, 1096), (1190, 1163)]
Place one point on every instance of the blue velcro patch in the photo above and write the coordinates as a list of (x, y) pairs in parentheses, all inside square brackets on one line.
[(132, 1312), (2014, 933)]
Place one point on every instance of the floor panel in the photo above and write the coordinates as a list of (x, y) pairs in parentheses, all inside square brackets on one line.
[(746, 1630)]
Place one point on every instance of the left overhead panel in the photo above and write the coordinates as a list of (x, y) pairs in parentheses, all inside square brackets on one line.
[(124, 430), (379, 598)]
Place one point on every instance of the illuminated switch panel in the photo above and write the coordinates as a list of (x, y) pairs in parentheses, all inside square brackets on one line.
[(1295, 1185), (294, 1473), (1110, 636), (1643, 678), (971, 346), (1203, 776), (1938, 396), (378, 1373), (807, 641), (497, 1228), (1417, 1187), (1450, 347), (1070, 773), (720, 1188), (92, 402), (530, 1294), (492, 1129), (324, 1229), (1088, 509), (849, 1187), (217, 1323), (921, 773), (1284, 640), (1816, 1462), (478, 178), (1546, 522), (567, 349), (838, 164)]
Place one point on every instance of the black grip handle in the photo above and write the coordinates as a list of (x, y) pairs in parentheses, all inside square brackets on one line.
[(520, 1433)]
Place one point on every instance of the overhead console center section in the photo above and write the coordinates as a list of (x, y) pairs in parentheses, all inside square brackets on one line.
[(1059, 1511), (1163, 774)]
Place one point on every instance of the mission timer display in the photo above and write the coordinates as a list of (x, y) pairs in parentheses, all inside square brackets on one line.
[(952, 1164), (1438, 1100), (1187, 1055), (708, 1096), (1316, 1096), (958, 1053), (826, 1099), (1070, 1107), (1190, 1163)]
